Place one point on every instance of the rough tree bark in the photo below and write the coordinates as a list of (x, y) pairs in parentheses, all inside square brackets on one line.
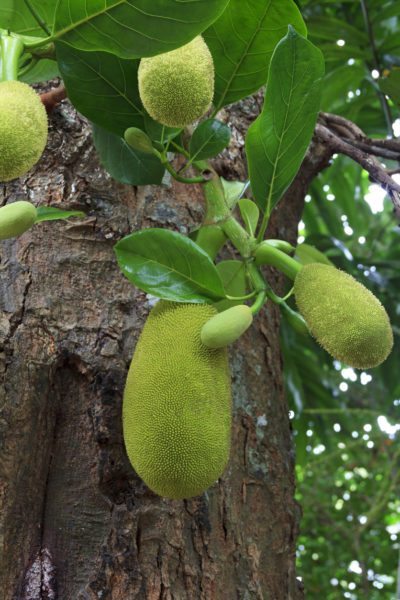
[(75, 520)]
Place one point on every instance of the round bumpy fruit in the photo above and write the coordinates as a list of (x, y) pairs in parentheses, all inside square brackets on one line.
[(226, 327), (16, 218), (23, 129), (344, 317), (177, 87), (177, 403)]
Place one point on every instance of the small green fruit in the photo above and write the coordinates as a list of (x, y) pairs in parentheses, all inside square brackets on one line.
[(177, 87), (226, 327), (138, 140), (344, 316), (23, 129), (177, 403), (16, 218)]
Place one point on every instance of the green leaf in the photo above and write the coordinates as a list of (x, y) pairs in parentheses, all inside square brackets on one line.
[(328, 28), (159, 133), (170, 266), (123, 163), (209, 139), (50, 213), (133, 28), (15, 15), (306, 254), (338, 83), (102, 87), (242, 42), (233, 276), (41, 71), (250, 214), (278, 140), (233, 190), (391, 85)]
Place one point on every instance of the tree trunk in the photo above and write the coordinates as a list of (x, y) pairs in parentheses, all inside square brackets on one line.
[(75, 520)]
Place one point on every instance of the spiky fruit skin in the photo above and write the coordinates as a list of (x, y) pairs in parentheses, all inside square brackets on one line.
[(23, 129), (177, 403), (227, 326), (16, 218), (177, 87), (343, 315)]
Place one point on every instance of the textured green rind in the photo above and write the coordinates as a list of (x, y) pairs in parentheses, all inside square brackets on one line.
[(23, 129), (16, 218), (177, 87), (177, 403), (227, 326), (344, 317)]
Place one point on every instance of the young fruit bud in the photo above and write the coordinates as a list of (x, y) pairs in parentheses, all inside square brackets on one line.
[(226, 327), (23, 129), (16, 218), (177, 403), (138, 140), (177, 87), (344, 317)]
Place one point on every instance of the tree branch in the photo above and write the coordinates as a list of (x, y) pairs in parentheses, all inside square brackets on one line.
[(52, 98), (376, 171)]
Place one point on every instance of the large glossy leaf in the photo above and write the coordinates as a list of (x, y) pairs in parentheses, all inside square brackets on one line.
[(209, 139), (123, 163), (278, 140), (170, 266), (133, 28), (103, 87), (242, 41), (15, 15)]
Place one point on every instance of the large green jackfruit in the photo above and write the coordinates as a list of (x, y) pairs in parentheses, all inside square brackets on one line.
[(177, 403), (23, 129), (177, 87), (343, 315)]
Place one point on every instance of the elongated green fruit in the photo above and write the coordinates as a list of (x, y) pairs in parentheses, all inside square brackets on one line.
[(177, 87), (177, 403), (23, 129), (345, 318), (16, 218), (226, 327)]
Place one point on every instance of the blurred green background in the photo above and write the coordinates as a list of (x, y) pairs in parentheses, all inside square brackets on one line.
[(347, 422)]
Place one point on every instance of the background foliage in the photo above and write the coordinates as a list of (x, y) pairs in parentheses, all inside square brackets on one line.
[(347, 423)]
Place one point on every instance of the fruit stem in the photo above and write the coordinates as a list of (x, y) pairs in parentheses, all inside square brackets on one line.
[(11, 49), (266, 254)]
